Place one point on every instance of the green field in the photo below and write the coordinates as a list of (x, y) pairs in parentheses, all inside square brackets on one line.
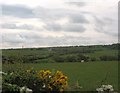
[(100, 64), (90, 75), (61, 54)]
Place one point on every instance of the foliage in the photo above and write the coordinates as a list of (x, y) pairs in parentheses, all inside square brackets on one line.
[(44, 80), (71, 58), (23, 78), (108, 58), (89, 75), (13, 88), (10, 88)]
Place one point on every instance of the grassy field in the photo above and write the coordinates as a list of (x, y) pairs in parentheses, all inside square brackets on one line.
[(90, 75), (66, 54), (96, 52), (100, 64)]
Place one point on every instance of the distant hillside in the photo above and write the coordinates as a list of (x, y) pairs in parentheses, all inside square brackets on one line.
[(62, 54)]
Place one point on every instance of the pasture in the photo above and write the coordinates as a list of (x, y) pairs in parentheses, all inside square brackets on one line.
[(89, 75), (99, 66)]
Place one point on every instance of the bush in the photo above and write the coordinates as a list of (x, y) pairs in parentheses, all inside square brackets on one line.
[(52, 81), (108, 58), (13, 88), (93, 59), (10, 88), (71, 58), (23, 78), (43, 80)]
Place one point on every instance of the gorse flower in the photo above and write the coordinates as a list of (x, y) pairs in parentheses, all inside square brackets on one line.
[(59, 79), (42, 74), (53, 81)]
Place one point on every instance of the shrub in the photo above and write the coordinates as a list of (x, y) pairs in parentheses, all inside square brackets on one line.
[(52, 81), (108, 58), (93, 59), (13, 88), (43, 80), (10, 88), (24, 78)]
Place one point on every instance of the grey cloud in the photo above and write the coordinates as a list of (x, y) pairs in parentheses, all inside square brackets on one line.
[(49, 26), (44, 14), (17, 11), (30, 37), (106, 25), (12, 38), (53, 27), (32, 40), (47, 16), (20, 39), (20, 27), (14, 26), (25, 26), (36, 39), (66, 27), (74, 28), (8, 26), (65, 40), (55, 14), (79, 4), (78, 18)]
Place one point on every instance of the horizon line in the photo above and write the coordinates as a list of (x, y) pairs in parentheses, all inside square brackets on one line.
[(56, 46)]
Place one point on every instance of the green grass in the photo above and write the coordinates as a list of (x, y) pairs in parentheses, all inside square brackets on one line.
[(47, 55), (90, 75), (109, 52)]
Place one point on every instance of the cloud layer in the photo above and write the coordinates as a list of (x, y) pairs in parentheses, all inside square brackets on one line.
[(72, 23)]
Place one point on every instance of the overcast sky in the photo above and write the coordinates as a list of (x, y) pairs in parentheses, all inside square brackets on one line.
[(42, 23)]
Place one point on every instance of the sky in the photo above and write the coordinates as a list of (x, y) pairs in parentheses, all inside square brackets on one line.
[(48, 23)]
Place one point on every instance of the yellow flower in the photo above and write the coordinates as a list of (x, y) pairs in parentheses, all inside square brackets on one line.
[(53, 81), (44, 74), (49, 87)]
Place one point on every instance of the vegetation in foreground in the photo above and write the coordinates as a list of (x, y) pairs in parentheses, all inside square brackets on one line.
[(32, 81), (81, 76)]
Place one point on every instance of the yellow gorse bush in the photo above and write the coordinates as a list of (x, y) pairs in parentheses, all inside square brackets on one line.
[(53, 81), (43, 74)]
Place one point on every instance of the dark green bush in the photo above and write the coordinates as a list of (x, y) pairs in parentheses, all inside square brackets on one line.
[(108, 58), (10, 88), (23, 78)]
